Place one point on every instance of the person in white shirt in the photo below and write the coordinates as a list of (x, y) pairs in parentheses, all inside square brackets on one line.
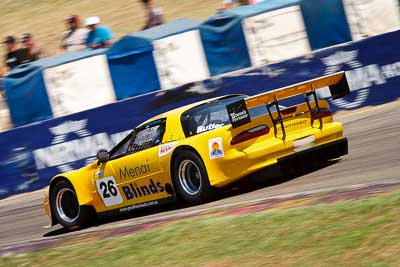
[(75, 37)]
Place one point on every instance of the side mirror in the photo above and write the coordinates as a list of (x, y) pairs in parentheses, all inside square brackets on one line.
[(103, 156)]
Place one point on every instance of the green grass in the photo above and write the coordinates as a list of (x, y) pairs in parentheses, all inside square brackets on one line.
[(45, 18), (352, 233)]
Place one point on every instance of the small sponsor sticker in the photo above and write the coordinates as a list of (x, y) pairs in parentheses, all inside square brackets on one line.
[(139, 206), (238, 113), (166, 148), (209, 127), (215, 148), (99, 173)]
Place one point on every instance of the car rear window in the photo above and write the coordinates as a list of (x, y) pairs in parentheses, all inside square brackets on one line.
[(207, 117)]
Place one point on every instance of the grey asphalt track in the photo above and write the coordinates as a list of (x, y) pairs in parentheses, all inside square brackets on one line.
[(374, 155)]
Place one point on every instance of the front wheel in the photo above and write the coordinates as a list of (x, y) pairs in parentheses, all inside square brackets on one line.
[(66, 208), (191, 179)]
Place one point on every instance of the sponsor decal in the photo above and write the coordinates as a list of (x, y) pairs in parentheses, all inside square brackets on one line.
[(137, 171), (360, 77), (99, 173), (335, 62), (108, 190), (134, 191), (238, 113), (139, 206), (212, 126), (166, 148), (61, 131), (3, 191), (293, 125), (20, 158), (72, 142), (215, 148)]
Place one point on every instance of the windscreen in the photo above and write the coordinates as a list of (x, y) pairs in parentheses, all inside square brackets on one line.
[(207, 117)]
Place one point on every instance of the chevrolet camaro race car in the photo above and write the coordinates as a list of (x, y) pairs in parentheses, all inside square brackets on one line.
[(186, 152)]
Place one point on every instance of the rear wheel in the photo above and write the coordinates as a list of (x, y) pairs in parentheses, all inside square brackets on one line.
[(191, 179), (66, 208)]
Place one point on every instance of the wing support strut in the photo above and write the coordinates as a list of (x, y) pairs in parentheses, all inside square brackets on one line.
[(312, 110), (279, 119)]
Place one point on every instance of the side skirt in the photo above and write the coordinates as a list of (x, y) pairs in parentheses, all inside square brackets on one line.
[(136, 207)]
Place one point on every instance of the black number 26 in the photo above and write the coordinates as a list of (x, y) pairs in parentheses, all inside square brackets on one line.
[(108, 189)]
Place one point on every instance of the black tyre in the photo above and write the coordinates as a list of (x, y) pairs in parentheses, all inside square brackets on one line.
[(190, 178), (66, 208)]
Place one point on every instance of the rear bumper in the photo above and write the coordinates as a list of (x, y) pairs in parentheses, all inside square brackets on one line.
[(303, 159)]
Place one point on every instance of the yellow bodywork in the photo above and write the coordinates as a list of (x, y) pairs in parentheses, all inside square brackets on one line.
[(150, 169)]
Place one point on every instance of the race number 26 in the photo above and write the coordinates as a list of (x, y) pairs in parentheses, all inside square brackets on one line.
[(108, 190)]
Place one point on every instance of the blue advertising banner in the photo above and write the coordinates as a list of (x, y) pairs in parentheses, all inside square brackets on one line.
[(31, 155)]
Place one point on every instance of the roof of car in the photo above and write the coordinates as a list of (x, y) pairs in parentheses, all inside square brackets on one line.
[(180, 110)]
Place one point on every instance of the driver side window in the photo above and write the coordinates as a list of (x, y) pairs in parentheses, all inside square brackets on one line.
[(121, 149), (147, 136)]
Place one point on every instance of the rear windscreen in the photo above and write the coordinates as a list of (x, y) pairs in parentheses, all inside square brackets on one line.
[(207, 117)]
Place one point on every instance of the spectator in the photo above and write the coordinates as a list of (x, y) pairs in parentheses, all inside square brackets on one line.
[(13, 57), (98, 36), (154, 15), (228, 4), (31, 51), (74, 38)]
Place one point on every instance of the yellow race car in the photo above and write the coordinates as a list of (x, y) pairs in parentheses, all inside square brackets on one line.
[(186, 152)]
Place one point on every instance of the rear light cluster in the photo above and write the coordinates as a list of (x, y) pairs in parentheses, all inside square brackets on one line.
[(249, 134), (323, 112)]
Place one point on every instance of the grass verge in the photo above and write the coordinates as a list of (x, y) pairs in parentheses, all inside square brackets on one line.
[(351, 233)]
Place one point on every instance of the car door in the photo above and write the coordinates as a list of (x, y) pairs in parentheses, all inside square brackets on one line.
[(137, 171)]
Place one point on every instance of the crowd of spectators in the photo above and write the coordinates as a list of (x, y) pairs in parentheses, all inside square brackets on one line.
[(92, 36), (74, 38), (79, 35)]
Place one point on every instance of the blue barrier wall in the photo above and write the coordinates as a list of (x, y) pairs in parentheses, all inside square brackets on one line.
[(326, 28), (131, 59), (223, 37), (25, 87), (31, 155)]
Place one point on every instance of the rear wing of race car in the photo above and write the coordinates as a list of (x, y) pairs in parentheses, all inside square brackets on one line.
[(238, 111)]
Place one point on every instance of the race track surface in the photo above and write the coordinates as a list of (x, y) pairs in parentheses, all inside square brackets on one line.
[(374, 155)]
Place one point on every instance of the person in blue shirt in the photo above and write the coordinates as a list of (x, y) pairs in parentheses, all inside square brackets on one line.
[(98, 36)]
